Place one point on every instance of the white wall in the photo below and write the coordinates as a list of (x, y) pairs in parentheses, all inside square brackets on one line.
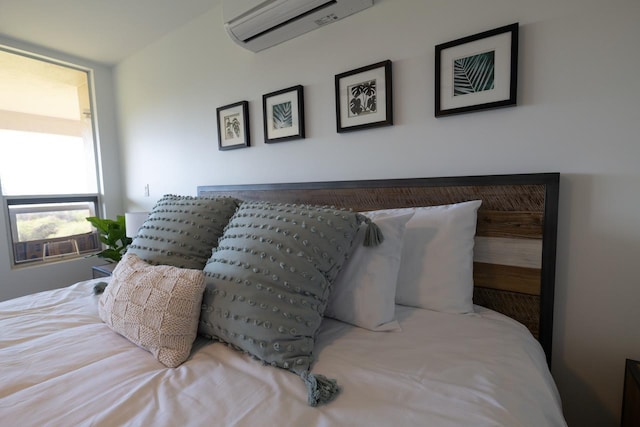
[(578, 113), (15, 282)]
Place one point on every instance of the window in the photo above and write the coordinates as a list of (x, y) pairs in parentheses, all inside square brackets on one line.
[(51, 228), (48, 174)]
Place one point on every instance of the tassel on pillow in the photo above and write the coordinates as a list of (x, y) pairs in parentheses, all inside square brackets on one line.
[(373, 236), (320, 389)]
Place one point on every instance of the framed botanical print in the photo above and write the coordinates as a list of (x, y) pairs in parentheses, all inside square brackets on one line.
[(233, 126), (364, 97), (477, 72), (283, 114)]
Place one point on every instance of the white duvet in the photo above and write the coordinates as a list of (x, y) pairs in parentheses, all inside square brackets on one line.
[(61, 366)]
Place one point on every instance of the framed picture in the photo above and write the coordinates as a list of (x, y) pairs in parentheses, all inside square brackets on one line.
[(233, 126), (364, 97), (477, 72), (283, 113)]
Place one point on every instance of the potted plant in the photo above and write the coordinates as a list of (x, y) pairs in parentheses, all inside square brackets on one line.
[(113, 234)]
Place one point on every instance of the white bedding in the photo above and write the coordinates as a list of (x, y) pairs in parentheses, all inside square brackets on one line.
[(61, 366)]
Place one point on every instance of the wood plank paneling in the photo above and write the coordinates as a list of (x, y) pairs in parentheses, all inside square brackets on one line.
[(506, 277), (508, 251), (374, 195), (526, 225)]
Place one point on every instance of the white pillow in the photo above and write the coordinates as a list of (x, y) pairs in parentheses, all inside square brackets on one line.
[(364, 291), (436, 270)]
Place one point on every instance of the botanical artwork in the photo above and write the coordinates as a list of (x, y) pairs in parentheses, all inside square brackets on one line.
[(282, 115), (232, 126), (475, 73), (362, 98)]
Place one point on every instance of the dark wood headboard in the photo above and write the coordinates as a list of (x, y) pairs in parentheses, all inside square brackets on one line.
[(515, 249)]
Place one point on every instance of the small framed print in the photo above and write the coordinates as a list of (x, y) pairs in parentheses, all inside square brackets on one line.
[(283, 113), (233, 126), (364, 97), (477, 72)]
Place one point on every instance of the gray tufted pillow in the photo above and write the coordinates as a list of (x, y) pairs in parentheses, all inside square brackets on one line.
[(268, 282), (182, 230)]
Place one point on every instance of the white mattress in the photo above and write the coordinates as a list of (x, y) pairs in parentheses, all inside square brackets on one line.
[(61, 366)]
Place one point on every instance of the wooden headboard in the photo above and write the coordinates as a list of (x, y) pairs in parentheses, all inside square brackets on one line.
[(515, 249)]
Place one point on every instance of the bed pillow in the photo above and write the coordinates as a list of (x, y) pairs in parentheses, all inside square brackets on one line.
[(268, 282), (436, 269), (154, 307), (182, 230), (365, 290)]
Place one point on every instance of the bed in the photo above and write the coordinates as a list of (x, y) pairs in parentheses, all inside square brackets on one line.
[(447, 365)]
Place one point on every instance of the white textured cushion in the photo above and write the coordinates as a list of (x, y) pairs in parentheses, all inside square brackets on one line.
[(365, 290), (436, 270), (155, 307)]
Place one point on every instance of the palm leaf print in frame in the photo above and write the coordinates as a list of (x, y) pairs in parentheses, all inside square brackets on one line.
[(477, 72), (474, 73), (282, 115)]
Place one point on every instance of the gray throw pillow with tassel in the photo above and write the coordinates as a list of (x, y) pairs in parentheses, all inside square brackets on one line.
[(269, 280)]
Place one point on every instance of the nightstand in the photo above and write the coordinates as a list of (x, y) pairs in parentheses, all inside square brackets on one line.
[(631, 395), (103, 270)]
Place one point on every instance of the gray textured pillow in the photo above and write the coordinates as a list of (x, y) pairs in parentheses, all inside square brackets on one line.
[(155, 307), (182, 230), (268, 282)]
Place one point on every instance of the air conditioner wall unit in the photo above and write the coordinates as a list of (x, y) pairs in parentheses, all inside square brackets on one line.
[(259, 24)]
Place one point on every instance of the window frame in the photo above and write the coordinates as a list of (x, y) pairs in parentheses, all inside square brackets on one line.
[(12, 226), (96, 198)]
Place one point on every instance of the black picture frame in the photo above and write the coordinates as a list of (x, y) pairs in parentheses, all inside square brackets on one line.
[(233, 126), (283, 115), (364, 97), (493, 56)]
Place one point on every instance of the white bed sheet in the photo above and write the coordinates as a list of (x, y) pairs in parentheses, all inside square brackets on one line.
[(61, 366)]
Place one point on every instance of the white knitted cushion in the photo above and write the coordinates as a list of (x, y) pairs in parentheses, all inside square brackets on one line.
[(155, 307)]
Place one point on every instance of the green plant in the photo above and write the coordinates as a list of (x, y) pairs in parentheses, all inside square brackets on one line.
[(113, 234)]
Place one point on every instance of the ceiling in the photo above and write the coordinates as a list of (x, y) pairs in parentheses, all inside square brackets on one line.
[(105, 31)]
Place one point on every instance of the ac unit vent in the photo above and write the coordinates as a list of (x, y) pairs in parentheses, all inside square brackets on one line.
[(260, 24)]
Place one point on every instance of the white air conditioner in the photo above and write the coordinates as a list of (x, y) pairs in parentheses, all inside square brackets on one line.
[(259, 24)]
